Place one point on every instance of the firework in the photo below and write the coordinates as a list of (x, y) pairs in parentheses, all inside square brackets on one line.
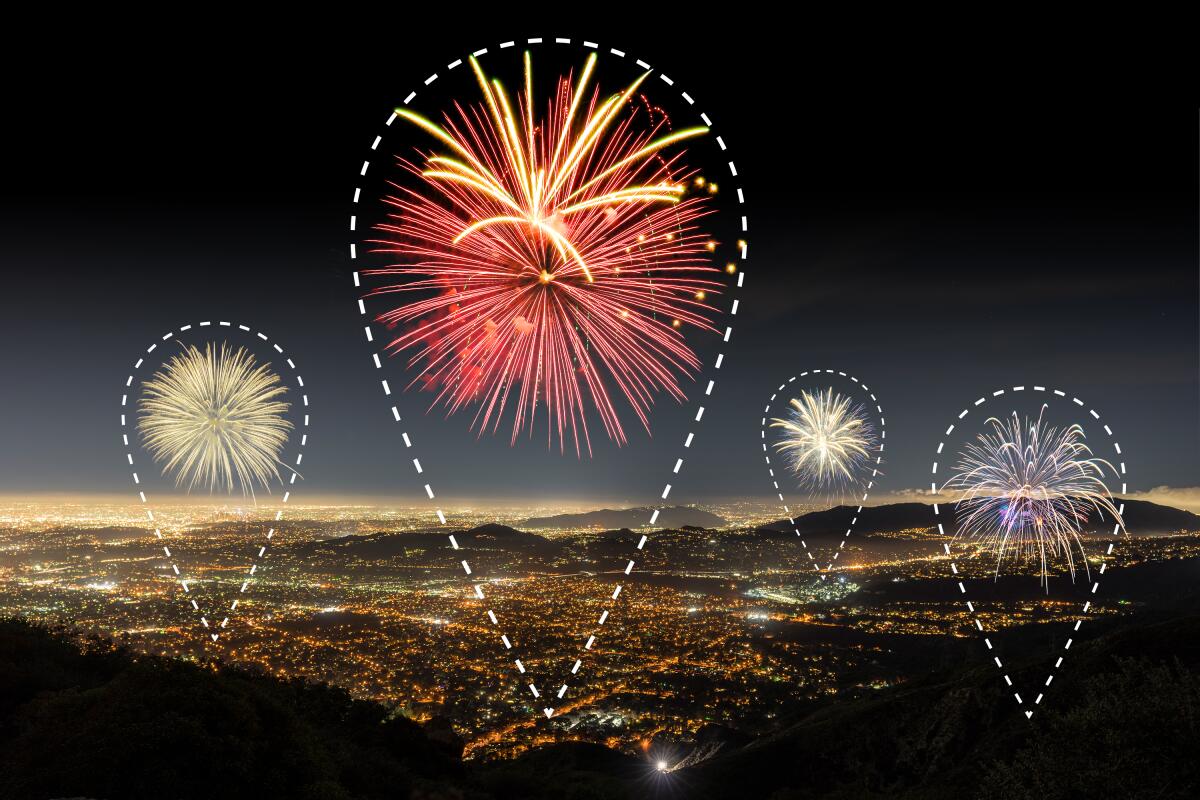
[(827, 439), (556, 258), (215, 418), (1028, 489)]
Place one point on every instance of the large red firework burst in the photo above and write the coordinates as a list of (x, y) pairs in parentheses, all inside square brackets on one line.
[(550, 261)]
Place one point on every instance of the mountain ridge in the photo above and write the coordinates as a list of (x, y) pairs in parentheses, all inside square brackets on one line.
[(1141, 517)]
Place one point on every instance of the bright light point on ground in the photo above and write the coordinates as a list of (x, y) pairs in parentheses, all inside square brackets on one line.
[(661, 766)]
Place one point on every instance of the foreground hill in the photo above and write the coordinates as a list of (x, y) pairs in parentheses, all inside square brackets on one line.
[(1123, 721), (108, 724), (387, 545)]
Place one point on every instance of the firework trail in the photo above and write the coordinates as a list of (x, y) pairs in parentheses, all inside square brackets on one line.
[(214, 418), (1028, 489), (556, 258), (827, 440)]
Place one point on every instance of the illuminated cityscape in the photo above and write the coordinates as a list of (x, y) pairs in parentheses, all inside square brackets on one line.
[(715, 627)]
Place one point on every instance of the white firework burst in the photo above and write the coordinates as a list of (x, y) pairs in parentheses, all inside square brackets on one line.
[(827, 440), (1028, 489), (215, 418)]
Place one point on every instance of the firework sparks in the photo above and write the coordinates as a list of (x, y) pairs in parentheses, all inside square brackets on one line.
[(214, 418), (1028, 489), (827, 439), (556, 258)]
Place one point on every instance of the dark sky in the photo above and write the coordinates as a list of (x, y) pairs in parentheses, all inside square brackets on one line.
[(937, 236)]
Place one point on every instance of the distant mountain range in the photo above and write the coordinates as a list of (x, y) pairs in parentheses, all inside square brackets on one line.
[(619, 527), (609, 518), (1141, 517)]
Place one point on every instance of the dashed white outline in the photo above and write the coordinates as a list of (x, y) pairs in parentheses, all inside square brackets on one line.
[(870, 484), (678, 463), (125, 425), (954, 568)]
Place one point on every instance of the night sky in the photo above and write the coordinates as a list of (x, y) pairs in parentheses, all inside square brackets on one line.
[(938, 243)]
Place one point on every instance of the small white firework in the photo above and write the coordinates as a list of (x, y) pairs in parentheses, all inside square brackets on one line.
[(1028, 490), (827, 440), (215, 419)]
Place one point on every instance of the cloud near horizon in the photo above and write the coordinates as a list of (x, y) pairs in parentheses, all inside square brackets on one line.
[(1185, 497)]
